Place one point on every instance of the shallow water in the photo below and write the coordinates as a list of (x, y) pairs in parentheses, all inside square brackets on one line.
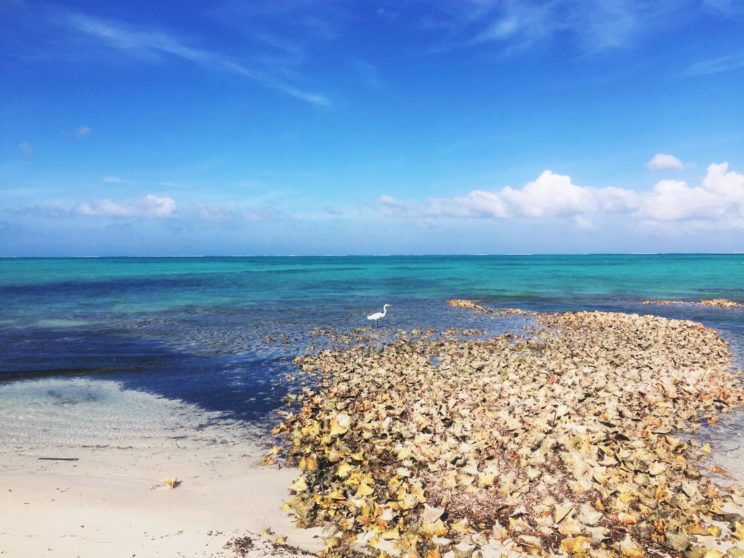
[(44, 415), (219, 334)]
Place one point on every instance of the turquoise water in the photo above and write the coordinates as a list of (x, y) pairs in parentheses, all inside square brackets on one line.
[(221, 332)]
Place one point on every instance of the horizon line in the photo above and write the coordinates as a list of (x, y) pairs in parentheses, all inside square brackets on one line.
[(419, 255)]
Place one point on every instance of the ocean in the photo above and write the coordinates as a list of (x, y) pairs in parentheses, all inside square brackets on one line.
[(219, 334)]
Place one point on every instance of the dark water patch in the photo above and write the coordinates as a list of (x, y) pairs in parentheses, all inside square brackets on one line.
[(46, 351), (97, 286), (244, 389), (242, 386)]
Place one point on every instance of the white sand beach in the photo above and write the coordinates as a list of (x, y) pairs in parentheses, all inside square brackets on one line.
[(111, 501)]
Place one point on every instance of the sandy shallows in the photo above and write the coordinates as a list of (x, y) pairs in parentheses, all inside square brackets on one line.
[(111, 500)]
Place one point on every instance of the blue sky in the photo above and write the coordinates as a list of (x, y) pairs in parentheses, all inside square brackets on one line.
[(328, 127)]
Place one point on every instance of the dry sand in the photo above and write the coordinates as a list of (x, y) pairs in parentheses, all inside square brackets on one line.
[(112, 500), (112, 503)]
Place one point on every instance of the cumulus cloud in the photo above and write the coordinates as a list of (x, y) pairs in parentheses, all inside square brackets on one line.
[(719, 199), (727, 184), (663, 161), (148, 206), (551, 195)]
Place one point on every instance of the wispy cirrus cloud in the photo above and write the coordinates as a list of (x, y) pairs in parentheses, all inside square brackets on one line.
[(716, 65), (719, 200), (157, 43), (515, 25)]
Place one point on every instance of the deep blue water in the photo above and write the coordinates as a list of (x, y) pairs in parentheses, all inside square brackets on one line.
[(222, 332)]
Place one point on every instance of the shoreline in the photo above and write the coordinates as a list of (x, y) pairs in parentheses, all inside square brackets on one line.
[(113, 501), (107, 496)]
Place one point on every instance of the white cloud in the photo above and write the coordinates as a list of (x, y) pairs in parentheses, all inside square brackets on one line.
[(721, 197), (83, 131), (725, 183), (663, 161), (26, 150), (114, 180), (158, 206), (719, 200), (551, 195), (148, 206), (583, 222), (673, 200), (618, 200), (479, 203), (104, 207)]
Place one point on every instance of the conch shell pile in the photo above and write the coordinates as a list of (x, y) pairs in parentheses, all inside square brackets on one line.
[(572, 439)]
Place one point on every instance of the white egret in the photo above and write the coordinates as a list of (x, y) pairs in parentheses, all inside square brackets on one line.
[(379, 315)]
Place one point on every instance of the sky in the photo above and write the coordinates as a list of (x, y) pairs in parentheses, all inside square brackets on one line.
[(353, 127)]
